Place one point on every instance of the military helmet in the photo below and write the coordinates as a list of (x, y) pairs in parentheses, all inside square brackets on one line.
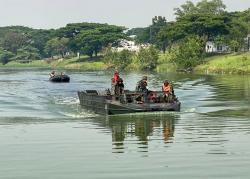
[(166, 82)]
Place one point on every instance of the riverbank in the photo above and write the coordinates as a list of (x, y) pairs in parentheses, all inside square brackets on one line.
[(71, 64), (236, 63)]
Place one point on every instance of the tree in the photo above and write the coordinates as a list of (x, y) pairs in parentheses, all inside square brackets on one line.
[(124, 59), (90, 38), (13, 41), (213, 7), (57, 46), (245, 17), (188, 53), (5, 56), (234, 45), (13, 38), (39, 38), (238, 29), (89, 41), (187, 8), (207, 19), (73, 29), (27, 53), (116, 59), (148, 58), (110, 56), (172, 33), (158, 22), (207, 27), (92, 41), (150, 34), (142, 35)]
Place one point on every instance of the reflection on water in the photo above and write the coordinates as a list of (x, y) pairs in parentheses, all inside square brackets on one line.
[(44, 133), (139, 130)]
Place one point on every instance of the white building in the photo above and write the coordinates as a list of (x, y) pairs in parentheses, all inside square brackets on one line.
[(211, 47), (129, 45)]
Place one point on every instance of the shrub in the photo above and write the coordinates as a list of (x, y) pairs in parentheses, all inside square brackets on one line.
[(147, 58), (189, 53), (5, 56), (110, 56), (124, 59), (116, 59)]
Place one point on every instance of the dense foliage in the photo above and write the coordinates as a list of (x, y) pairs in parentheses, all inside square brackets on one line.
[(188, 53), (23, 43), (116, 59), (145, 59), (206, 21)]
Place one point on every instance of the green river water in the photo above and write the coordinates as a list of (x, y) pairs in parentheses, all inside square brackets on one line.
[(45, 134)]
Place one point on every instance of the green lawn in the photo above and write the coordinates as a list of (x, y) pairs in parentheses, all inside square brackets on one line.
[(35, 63)]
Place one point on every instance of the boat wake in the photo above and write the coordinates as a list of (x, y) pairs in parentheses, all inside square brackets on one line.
[(66, 100), (71, 108), (190, 110), (80, 115)]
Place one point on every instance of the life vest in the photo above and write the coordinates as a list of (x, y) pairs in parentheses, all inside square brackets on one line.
[(115, 78), (166, 89)]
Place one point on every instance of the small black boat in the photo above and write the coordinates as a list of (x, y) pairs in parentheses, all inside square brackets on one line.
[(60, 79), (103, 103)]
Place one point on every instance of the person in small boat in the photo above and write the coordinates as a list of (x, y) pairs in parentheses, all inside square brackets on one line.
[(115, 77), (52, 74), (117, 85), (120, 85), (152, 97), (168, 91), (141, 87), (120, 90)]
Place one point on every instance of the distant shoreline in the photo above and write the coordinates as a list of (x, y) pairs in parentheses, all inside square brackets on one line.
[(236, 63), (70, 64)]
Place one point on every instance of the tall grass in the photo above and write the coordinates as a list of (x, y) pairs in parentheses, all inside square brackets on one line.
[(232, 63), (165, 64)]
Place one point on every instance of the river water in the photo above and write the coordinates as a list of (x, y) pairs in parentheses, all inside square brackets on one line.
[(44, 133)]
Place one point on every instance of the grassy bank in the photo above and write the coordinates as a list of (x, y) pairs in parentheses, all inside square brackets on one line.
[(237, 63), (231, 63), (73, 63)]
